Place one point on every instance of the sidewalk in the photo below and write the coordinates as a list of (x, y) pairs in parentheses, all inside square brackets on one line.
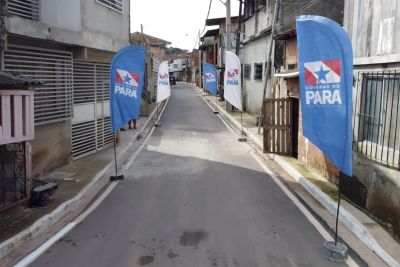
[(79, 182), (307, 182)]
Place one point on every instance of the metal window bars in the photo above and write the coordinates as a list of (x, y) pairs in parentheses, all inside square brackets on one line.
[(53, 99), (376, 116), (116, 5), (28, 9)]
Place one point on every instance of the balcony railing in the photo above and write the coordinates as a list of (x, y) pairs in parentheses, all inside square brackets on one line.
[(28, 9)]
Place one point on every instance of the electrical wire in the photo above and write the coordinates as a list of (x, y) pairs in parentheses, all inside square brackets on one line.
[(208, 13), (297, 12)]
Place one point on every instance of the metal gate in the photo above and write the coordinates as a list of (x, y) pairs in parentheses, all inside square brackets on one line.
[(278, 126), (12, 174), (91, 124)]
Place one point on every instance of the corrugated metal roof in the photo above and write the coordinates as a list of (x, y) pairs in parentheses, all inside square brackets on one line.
[(213, 32)]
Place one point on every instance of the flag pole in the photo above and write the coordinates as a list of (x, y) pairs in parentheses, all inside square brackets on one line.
[(116, 177), (334, 250), (337, 213), (242, 139), (157, 124)]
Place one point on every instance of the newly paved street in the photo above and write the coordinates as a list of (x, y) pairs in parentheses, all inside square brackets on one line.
[(193, 197)]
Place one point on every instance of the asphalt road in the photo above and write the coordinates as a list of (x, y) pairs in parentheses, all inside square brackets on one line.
[(193, 197)]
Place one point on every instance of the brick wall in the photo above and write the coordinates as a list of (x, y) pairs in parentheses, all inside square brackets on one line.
[(309, 154)]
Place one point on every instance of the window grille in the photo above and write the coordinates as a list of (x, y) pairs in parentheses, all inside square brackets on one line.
[(247, 71), (12, 174), (116, 5), (91, 90), (376, 120), (258, 71), (53, 99), (28, 9)]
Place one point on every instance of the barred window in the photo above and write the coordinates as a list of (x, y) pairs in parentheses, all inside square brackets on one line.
[(53, 99), (247, 71), (28, 9), (116, 5), (258, 67), (377, 117)]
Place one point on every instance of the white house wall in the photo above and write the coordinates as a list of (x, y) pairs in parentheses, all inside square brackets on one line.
[(254, 52), (259, 22), (76, 22), (54, 13)]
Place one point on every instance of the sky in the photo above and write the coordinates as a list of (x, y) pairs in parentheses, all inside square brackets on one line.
[(171, 20)]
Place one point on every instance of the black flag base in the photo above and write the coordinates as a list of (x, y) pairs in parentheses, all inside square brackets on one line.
[(242, 139), (338, 252), (116, 177), (215, 112)]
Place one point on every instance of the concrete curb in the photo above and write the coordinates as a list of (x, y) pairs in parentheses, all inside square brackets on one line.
[(49, 220), (348, 220)]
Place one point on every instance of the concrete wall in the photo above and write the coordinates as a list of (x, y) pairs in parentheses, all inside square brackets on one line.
[(255, 50), (76, 22), (51, 147), (63, 14), (381, 189), (261, 21), (101, 24), (372, 26)]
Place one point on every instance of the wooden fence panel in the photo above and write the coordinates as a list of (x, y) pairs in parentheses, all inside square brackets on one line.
[(278, 126)]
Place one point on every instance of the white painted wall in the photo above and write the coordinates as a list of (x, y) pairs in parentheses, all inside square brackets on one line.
[(255, 51), (102, 24), (77, 22), (63, 14), (177, 65)]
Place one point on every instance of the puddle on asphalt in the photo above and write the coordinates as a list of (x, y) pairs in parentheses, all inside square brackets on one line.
[(144, 260), (192, 238)]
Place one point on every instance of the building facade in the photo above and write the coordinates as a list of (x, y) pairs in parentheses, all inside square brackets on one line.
[(156, 46), (371, 26), (67, 45), (256, 25)]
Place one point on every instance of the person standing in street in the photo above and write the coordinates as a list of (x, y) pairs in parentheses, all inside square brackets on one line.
[(132, 122)]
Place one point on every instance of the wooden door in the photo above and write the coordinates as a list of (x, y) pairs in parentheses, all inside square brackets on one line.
[(278, 126)]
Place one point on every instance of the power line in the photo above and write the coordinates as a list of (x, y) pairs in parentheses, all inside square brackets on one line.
[(208, 13), (297, 12)]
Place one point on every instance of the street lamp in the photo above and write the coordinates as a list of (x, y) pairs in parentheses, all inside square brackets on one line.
[(194, 40)]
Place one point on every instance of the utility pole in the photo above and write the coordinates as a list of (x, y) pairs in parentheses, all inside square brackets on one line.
[(228, 25), (268, 68), (239, 28), (228, 30), (143, 39)]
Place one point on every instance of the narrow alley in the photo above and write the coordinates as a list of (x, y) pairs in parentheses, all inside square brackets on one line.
[(194, 196)]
